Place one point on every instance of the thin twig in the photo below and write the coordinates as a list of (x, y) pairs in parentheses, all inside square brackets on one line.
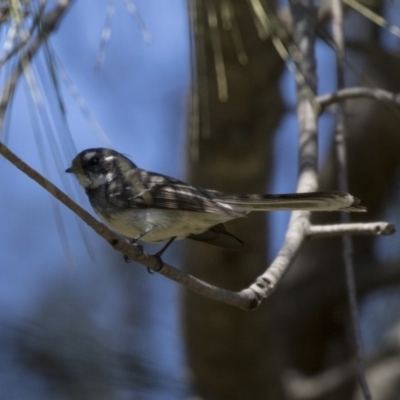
[(342, 166), (49, 23), (372, 16), (200, 95), (371, 228), (229, 23), (219, 63), (357, 92), (105, 34), (27, 37)]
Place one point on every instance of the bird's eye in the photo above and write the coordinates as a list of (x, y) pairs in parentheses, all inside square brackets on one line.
[(95, 161)]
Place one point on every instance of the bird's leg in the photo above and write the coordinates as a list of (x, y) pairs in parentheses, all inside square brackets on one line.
[(134, 240), (159, 254)]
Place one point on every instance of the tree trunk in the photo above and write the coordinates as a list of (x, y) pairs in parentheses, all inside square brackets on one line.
[(229, 351)]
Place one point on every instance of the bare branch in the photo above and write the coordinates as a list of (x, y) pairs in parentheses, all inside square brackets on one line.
[(299, 226), (304, 39), (341, 135), (295, 236), (357, 92), (371, 228)]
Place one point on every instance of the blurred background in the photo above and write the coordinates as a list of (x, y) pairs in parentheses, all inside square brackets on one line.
[(76, 321)]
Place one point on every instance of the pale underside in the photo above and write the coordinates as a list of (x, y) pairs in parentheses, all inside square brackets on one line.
[(163, 224)]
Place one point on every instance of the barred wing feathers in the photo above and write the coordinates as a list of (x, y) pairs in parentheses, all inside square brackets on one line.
[(148, 189)]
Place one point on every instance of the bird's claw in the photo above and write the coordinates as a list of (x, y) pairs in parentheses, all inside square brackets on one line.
[(160, 264)]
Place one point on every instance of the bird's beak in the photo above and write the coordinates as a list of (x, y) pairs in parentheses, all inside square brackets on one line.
[(70, 170)]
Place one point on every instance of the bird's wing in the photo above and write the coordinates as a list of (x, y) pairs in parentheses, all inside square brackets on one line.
[(143, 189), (150, 190), (219, 236)]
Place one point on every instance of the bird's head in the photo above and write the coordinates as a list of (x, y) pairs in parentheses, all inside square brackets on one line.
[(95, 167)]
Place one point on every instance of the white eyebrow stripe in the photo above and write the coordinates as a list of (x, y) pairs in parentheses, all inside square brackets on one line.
[(89, 155), (108, 158)]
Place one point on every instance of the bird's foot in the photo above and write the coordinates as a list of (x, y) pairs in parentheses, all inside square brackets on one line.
[(160, 263), (158, 256)]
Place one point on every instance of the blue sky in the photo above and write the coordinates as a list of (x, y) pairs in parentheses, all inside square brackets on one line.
[(138, 98)]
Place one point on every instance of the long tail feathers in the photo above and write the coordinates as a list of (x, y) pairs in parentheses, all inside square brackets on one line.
[(313, 201)]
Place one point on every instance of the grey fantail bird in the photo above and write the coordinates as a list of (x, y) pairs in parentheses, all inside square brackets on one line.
[(152, 207)]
